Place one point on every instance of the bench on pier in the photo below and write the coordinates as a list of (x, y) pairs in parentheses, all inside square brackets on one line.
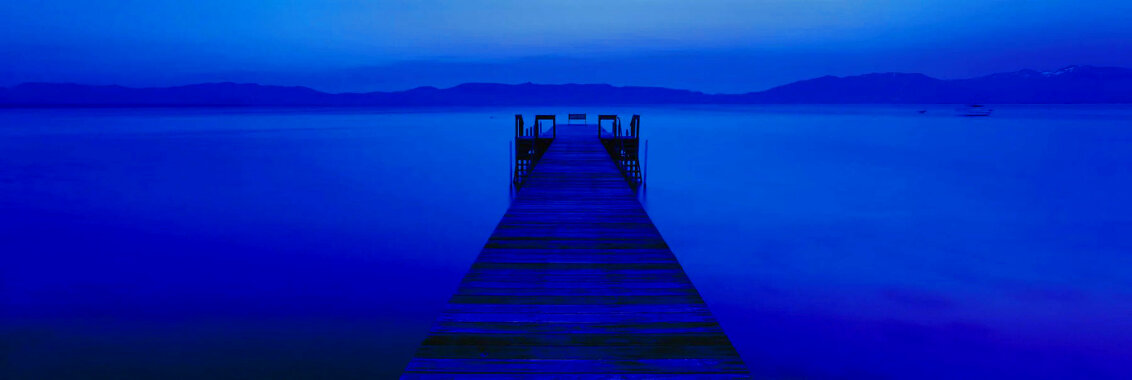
[(576, 116)]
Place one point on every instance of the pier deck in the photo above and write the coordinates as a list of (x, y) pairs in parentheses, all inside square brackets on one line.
[(576, 282)]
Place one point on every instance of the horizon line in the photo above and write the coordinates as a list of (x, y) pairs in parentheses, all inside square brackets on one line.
[(1063, 68)]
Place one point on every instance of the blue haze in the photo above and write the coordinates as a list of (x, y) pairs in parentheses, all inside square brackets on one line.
[(714, 45), (849, 241)]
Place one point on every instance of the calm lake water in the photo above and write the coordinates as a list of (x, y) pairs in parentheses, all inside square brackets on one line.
[(830, 241)]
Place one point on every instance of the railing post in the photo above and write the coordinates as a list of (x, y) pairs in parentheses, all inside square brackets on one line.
[(635, 126)]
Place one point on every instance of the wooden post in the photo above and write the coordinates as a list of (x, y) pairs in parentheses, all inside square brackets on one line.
[(635, 126), (510, 163), (645, 173)]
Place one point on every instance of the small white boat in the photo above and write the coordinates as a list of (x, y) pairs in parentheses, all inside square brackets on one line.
[(975, 110)]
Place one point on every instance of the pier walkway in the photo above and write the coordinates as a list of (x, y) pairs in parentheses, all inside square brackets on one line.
[(576, 282)]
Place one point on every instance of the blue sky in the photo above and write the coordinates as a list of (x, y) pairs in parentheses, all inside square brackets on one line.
[(711, 45)]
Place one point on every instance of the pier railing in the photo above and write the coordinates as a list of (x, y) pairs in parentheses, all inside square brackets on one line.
[(623, 146), (530, 144)]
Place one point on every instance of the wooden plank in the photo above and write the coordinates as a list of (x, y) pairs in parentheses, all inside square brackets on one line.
[(614, 352), (577, 283), (618, 327), (575, 376), (690, 366), (577, 318), (580, 309)]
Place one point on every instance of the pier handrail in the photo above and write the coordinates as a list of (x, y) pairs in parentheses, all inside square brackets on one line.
[(616, 122), (635, 126), (530, 144), (553, 120), (623, 145)]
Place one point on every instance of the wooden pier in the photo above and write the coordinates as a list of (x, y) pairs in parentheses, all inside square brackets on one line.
[(576, 281)]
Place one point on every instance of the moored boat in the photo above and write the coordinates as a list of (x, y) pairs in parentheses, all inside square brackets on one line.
[(975, 110)]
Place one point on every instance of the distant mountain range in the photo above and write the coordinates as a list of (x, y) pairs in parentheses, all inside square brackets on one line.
[(1073, 84)]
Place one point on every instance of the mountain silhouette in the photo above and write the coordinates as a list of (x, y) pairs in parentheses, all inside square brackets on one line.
[(1072, 84)]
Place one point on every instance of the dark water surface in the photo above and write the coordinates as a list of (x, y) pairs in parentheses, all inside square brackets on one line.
[(321, 243)]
